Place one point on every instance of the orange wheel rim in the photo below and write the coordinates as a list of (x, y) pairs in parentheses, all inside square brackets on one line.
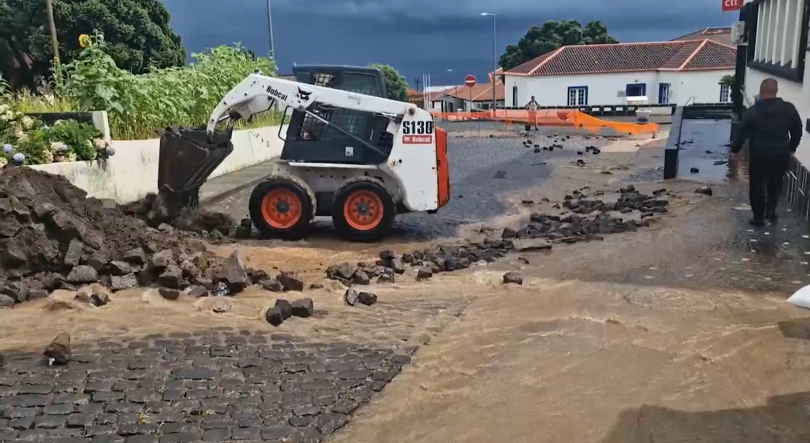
[(363, 210), (281, 208)]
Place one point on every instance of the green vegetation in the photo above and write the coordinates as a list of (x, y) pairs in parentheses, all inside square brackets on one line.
[(552, 35), (137, 105), (137, 31), (28, 140), (140, 104), (727, 80), (395, 85)]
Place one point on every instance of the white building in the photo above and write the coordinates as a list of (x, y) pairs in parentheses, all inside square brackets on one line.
[(776, 32), (673, 72), (464, 99)]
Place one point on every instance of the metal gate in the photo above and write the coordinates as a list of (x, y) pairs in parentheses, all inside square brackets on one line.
[(797, 188)]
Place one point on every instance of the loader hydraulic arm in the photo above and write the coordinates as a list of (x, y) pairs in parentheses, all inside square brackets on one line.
[(258, 92)]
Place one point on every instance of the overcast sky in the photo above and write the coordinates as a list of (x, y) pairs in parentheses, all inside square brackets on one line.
[(420, 36)]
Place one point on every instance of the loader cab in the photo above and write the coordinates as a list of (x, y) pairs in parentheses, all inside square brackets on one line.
[(310, 140)]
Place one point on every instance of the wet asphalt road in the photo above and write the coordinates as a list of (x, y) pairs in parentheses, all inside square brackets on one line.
[(474, 165), (704, 146)]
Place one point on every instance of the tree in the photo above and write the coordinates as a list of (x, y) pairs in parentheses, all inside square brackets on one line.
[(395, 85), (137, 32), (727, 80), (552, 35)]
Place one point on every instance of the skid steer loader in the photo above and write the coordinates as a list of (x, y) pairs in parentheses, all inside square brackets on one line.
[(349, 153)]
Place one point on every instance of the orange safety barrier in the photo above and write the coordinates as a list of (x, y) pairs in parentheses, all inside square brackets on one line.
[(556, 117)]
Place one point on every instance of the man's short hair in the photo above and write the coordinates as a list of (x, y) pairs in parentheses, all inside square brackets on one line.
[(769, 86)]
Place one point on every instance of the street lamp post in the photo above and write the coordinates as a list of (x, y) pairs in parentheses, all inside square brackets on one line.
[(270, 31), (494, 61)]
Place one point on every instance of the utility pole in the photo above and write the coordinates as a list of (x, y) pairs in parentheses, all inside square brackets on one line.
[(52, 25), (269, 32)]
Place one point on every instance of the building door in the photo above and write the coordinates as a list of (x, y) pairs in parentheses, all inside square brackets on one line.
[(577, 96), (663, 93), (515, 97)]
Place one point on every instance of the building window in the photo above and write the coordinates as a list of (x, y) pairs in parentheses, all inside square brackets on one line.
[(577, 96), (514, 97), (725, 94), (777, 37), (636, 90)]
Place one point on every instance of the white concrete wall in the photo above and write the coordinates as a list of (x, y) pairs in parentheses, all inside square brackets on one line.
[(132, 172), (796, 93), (603, 89), (704, 86)]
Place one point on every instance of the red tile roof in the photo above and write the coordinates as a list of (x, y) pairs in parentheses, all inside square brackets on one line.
[(717, 35), (711, 55), (682, 56), (479, 93), (531, 65), (630, 57), (437, 95)]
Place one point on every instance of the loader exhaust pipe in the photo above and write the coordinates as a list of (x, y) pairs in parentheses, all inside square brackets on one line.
[(187, 158)]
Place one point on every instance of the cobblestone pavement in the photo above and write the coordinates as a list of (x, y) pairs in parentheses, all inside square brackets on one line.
[(218, 385)]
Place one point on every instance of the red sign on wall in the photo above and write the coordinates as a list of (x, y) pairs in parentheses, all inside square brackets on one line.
[(732, 5)]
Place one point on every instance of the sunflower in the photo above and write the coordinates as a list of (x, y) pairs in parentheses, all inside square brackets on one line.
[(84, 41)]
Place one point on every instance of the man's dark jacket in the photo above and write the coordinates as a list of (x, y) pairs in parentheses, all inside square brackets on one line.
[(772, 126)]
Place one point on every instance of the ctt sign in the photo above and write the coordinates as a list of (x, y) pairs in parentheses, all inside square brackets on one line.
[(732, 5)]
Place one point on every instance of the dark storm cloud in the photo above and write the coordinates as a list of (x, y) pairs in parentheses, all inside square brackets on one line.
[(420, 36), (434, 11)]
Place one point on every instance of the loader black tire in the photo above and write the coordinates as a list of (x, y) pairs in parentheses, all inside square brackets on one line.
[(363, 211), (281, 208)]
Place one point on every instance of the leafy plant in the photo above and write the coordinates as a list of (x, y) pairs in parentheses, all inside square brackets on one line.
[(727, 80), (37, 143), (4, 89), (395, 85), (36, 147), (79, 138)]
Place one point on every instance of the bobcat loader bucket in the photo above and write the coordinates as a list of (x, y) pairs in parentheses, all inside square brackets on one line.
[(187, 158)]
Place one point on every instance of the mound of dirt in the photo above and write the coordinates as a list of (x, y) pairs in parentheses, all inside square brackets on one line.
[(53, 237), (154, 210)]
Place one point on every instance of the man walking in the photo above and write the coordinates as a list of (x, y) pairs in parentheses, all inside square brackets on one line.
[(773, 129)]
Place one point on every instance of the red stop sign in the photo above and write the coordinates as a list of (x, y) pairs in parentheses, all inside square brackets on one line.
[(470, 81)]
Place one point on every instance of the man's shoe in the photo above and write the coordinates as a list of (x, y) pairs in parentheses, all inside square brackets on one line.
[(756, 222), (771, 216)]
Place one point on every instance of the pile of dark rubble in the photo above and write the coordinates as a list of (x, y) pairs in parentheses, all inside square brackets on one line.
[(154, 210), (284, 309), (428, 262), (583, 219), (53, 237), (557, 144), (589, 219)]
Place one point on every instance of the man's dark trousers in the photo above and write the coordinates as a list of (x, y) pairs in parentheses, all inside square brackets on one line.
[(766, 174)]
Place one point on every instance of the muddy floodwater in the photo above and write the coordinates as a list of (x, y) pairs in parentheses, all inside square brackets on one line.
[(677, 332)]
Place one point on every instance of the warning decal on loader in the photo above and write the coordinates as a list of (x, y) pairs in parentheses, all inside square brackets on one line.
[(417, 139)]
